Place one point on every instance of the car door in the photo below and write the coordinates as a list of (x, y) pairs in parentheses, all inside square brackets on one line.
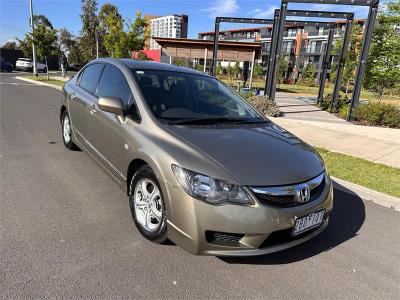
[(82, 94), (105, 133)]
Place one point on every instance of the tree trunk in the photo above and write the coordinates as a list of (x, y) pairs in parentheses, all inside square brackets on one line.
[(47, 69)]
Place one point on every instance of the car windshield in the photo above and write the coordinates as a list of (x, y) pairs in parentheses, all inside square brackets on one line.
[(25, 59), (186, 98)]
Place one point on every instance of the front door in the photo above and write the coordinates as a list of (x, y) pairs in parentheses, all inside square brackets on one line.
[(105, 133)]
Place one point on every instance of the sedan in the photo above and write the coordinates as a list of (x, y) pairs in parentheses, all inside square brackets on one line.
[(200, 166)]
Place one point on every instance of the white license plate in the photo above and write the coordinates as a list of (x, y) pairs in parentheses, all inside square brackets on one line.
[(308, 222)]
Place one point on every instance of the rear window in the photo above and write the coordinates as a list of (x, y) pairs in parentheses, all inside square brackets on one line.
[(25, 59)]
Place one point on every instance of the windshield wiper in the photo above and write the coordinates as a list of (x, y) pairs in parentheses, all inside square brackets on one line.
[(206, 121)]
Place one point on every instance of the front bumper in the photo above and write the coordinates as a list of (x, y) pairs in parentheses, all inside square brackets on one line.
[(189, 220)]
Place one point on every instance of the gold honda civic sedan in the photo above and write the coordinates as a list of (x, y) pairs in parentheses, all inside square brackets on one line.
[(200, 166)]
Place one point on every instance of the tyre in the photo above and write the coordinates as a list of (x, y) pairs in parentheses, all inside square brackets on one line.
[(67, 132), (44, 70), (9, 69), (147, 205)]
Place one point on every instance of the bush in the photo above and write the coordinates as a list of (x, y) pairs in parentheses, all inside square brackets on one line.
[(378, 113), (326, 102), (265, 106)]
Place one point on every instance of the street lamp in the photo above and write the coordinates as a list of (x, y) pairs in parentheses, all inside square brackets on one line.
[(34, 69)]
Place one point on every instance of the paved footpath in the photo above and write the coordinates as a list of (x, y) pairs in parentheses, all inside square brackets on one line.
[(322, 129)]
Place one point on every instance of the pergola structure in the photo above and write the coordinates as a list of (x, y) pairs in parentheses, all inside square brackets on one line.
[(326, 64), (270, 82), (369, 28)]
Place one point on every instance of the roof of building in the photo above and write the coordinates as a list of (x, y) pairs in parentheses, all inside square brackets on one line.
[(194, 42), (360, 21)]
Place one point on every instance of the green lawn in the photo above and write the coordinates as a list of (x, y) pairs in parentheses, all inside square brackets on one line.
[(44, 79), (374, 176)]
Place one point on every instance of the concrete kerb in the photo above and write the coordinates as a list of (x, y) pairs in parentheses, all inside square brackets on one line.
[(39, 82), (367, 194)]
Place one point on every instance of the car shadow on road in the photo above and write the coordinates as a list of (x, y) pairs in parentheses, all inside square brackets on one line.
[(346, 220)]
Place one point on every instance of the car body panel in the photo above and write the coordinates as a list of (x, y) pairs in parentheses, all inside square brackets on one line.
[(248, 155)]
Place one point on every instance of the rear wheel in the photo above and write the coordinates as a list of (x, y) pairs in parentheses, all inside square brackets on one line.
[(9, 69), (67, 132), (147, 205)]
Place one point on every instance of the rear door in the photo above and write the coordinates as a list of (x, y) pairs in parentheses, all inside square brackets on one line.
[(105, 133), (81, 95)]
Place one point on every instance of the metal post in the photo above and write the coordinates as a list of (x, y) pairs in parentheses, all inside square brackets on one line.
[(272, 47), (369, 29), (34, 69), (97, 44), (325, 64), (253, 60), (215, 49), (341, 64), (275, 61), (205, 59)]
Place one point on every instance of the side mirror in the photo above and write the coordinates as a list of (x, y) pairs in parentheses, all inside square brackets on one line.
[(111, 104)]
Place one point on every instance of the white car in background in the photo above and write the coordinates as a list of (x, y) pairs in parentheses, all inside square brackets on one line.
[(26, 64)]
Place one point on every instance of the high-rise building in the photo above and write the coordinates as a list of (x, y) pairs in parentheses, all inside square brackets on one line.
[(172, 26)]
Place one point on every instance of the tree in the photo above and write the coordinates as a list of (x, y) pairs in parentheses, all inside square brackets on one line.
[(90, 23), (121, 37), (355, 45), (236, 69), (218, 69), (258, 70), (44, 37), (308, 75), (142, 56), (282, 69), (41, 19), (10, 45), (383, 65), (179, 61)]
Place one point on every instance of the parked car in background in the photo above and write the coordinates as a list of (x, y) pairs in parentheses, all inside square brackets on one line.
[(200, 166), (6, 66), (74, 67), (26, 64)]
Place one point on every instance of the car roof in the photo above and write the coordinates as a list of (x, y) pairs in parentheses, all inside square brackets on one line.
[(24, 58), (145, 64)]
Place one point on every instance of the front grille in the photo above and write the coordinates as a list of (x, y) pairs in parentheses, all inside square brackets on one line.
[(290, 200), (223, 238)]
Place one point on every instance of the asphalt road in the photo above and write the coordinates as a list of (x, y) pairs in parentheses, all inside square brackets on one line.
[(66, 231)]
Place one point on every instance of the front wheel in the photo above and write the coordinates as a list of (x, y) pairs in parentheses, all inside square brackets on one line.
[(147, 205), (67, 132)]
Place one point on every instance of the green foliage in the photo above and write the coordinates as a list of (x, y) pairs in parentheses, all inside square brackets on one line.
[(308, 75), (355, 45), (41, 19), (218, 69), (282, 68), (142, 56), (258, 70), (236, 69), (120, 37), (378, 113), (179, 61), (45, 40), (383, 66), (326, 102), (10, 45), (265, 106), (90, 24), (199, 67)]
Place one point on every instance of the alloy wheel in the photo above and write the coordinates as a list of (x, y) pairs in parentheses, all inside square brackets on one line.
[(148, 204)]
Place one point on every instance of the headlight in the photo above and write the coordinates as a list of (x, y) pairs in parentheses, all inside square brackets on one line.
[(210, 190)]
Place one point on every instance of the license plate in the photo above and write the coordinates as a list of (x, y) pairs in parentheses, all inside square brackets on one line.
[(308, 222)]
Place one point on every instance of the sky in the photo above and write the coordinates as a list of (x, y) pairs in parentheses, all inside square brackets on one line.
[(14, 14)]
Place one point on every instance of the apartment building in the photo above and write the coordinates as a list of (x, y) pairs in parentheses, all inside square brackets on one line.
[(171, 26), (301, 44)]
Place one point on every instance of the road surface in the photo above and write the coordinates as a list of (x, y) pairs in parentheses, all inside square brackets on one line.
[(66, 231)]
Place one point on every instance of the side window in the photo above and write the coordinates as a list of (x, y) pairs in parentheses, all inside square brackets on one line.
[(113, 84), (88, 80)]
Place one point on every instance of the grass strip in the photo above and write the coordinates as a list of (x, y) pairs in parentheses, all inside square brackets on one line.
[(372, 175), (44, 80)]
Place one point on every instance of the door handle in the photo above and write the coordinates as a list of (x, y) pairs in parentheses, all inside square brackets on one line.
[(72, 95), (92, 109)]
